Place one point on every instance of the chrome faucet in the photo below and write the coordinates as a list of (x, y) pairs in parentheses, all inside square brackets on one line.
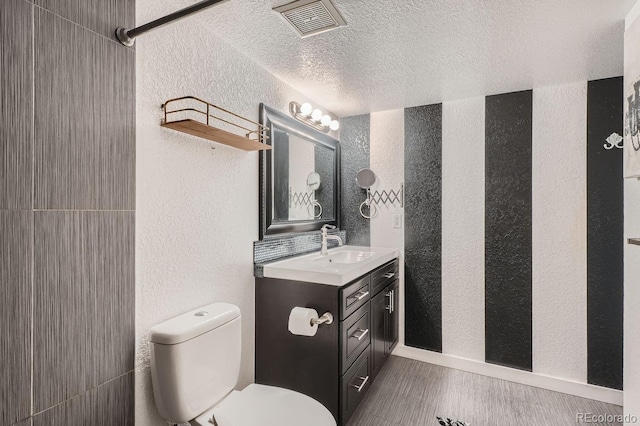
[(326, 237)]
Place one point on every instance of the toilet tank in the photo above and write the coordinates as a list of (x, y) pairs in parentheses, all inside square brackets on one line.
[(195, 360)]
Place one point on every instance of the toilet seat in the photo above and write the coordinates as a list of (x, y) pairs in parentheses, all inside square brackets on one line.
[(260, 405)]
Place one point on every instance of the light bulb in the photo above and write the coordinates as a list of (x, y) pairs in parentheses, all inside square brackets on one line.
[(316, 115), (325, 120), (334, 125), (305, 109)]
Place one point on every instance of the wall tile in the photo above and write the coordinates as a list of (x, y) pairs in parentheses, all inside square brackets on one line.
[(279, 247), (16, 235), (16, 106), (100, 16), (110, 237), (110, 404), (78, 411), (85, 118), (84, 294), (115, 402)]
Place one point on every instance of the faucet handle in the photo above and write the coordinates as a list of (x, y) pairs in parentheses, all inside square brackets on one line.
[(327, 226)]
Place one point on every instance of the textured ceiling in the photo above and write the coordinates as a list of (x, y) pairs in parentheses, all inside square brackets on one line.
[(398, 53)]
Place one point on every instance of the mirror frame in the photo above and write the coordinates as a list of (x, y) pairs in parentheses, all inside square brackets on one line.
[(270, 118)]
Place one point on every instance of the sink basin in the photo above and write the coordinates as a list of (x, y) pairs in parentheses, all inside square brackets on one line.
[(348, 256), (340, 266)]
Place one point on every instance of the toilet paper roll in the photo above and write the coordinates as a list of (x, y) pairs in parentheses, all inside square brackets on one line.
[(300, 321)]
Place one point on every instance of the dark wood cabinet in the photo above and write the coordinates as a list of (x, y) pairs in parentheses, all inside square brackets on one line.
[(379, 322), (336, 366), (391, 330), (384, 325)]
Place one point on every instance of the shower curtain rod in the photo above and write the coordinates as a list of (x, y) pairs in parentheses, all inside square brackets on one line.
[(128, 36)]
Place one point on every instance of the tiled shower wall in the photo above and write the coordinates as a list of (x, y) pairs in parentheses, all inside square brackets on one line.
[(67, 213)]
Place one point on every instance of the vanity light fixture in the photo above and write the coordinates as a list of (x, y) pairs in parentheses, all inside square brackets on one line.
[(314, 117)]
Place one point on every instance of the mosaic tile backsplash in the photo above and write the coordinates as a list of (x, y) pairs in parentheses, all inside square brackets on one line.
[(277, 248)]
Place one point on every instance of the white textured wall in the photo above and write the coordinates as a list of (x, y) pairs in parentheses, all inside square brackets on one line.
[(632, 298), (197, 202), (632, 262), (463, 228), (559, 231), (387, 162)]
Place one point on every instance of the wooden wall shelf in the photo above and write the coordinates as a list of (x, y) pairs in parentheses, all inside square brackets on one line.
[(634, 241), (253, 140)]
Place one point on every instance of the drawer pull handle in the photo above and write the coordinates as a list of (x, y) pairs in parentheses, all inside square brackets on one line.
[(393, 300), (364, 382), (362, 333), (389, 275), (360, 295)]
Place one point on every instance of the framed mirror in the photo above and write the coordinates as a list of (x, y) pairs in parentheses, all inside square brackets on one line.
[(299, 177)]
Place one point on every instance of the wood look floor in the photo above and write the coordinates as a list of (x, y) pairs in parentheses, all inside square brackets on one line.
[(413, 393)]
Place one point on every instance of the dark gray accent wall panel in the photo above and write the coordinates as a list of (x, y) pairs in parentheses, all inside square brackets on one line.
[(280, 158), (16, 236), (84, 295), (605, 227), (354, 145), (85, 118), (325, 166), (423, 226), (508, 224), (100, 16), (16, 104), (111, 404)]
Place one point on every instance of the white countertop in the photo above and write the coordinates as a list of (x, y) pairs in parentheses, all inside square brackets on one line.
[(330, 269)]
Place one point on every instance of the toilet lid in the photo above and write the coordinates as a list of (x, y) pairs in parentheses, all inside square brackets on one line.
[(260, 405)]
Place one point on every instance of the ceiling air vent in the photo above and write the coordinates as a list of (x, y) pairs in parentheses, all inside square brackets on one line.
[(310, 17)]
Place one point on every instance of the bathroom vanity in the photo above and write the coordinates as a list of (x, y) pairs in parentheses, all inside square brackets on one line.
[(359, 287)]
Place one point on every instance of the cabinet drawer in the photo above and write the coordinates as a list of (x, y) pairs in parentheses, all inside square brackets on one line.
[(354, 384), (356, 336), (353, 296), (383, 276)]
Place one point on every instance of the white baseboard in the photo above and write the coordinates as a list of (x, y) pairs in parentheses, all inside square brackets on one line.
[(583, 390)]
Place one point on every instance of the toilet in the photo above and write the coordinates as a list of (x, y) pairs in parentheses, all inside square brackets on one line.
[(195, 363)]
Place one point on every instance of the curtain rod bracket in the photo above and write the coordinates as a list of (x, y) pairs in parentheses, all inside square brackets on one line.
[(123, 37), (128, 36)]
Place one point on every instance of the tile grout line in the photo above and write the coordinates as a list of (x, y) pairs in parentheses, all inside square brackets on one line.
[(33, 190)]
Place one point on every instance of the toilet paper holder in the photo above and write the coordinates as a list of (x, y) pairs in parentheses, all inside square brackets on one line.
[(326, 318)]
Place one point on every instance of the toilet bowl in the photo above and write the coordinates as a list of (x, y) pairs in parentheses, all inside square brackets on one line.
[(267, 405), (195, 364)]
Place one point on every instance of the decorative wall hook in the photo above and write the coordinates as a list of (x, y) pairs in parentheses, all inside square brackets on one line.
[(614, 141)]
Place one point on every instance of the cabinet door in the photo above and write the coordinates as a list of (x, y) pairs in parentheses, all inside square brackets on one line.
[(378, 331), (392, 316)]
